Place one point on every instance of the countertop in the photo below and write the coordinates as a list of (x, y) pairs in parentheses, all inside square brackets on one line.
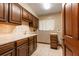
[(7, 38), (53, 33)]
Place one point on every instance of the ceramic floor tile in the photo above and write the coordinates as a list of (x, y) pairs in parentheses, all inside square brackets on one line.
[(45, 50)]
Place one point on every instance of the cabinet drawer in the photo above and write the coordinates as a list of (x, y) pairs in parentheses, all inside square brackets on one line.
[(53, 36), (55, 47), (6, 47), (22, 41), (53, 41), (54, 44), (9, 53)]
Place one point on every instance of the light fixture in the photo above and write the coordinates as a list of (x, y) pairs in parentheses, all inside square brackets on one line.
[(46, 6)]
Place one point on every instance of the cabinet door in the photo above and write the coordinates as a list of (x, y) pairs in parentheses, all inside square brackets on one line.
[(3, 12), (31, 24), (71, 42), (31, 20), (22, 50), (35, 42), (35, 23), (25, 15), (15, 15), (30, 17), (9, 53), (31, 49)]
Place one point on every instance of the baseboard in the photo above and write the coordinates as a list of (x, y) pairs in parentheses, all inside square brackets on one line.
[(43, 42)]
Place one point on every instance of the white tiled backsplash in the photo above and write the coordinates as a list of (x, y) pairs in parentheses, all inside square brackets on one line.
[(21, 29), (6, 28)]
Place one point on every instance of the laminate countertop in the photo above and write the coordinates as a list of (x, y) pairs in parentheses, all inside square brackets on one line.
[(53, 33), (12, 37)]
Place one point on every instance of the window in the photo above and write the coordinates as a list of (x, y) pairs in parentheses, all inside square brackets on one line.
[(48, 24)]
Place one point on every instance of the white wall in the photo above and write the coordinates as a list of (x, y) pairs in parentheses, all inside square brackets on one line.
[(44, 36)]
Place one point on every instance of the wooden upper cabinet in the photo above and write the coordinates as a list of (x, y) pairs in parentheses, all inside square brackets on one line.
[(25, 15), (35, 23), (15, 14), (31, 20), (3, 12)]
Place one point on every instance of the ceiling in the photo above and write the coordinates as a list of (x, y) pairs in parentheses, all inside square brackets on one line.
[(39, 10)]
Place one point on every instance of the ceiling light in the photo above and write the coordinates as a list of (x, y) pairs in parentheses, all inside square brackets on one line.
[(46, 5)]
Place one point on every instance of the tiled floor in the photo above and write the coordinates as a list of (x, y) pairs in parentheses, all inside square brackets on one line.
[(45, 50)]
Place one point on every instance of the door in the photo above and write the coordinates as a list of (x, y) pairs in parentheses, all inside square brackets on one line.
[(3, 12), (15, 13), (9, 53), (70, 22), (22, 50), (70, 31)]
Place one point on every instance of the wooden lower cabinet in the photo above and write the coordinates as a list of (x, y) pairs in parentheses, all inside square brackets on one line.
[(30, 45), (9, 53), (54, 41), (22, 47), (27, 46), (30, 48), (35, 42), (7, 49), (22, 50)]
